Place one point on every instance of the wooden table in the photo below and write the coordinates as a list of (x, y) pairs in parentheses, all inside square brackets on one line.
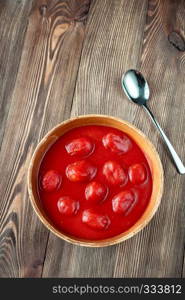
[(65, 58)]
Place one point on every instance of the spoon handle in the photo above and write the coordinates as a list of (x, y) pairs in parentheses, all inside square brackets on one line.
[(179, 165)]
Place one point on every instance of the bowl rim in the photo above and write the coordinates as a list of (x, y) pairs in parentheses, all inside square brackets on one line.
[(115, 239)]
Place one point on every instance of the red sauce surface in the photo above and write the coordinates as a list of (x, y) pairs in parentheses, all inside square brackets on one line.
[(107, 214)]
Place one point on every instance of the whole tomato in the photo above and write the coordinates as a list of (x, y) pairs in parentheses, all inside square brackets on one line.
[(123, 202), (137, 173), (67, 206), (114, 173), (95, 192), (81, 171), (51, 181), (95, 220), (80, 147), (119, 144)]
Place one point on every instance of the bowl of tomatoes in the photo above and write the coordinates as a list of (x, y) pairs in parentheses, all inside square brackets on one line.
[(95, 180)]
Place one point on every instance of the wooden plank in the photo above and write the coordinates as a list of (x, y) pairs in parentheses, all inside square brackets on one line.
[(13, 24), (158, 250), (113, 43), (41, 98)]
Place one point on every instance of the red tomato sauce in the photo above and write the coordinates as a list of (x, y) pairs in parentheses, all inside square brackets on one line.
[(94, 182)]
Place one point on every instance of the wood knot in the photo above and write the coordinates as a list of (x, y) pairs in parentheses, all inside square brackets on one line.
[(43, 9), (177, 40)]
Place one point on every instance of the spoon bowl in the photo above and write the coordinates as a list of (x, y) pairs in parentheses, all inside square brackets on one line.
[(135, 87)]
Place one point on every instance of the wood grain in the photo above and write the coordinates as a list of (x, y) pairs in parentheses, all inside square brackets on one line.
[(41, 98), (110, 34), (13, 25)]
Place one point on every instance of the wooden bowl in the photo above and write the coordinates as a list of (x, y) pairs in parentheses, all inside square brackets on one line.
[(143, 142)]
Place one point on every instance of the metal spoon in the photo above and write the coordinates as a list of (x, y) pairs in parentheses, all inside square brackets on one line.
[(137, 90)]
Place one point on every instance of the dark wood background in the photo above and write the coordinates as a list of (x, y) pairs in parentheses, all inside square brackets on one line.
[(65, 58)]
